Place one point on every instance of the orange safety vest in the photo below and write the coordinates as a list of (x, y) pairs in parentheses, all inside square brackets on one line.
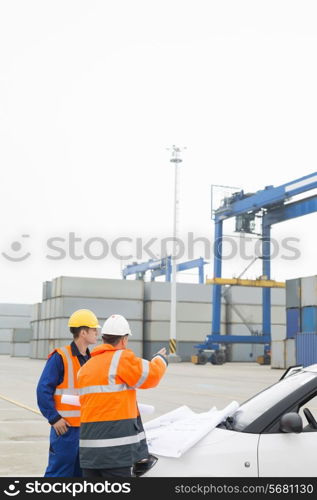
[(111, 430), (69, 386)]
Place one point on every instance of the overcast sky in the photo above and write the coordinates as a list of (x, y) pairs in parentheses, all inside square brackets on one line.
[(93, 92)]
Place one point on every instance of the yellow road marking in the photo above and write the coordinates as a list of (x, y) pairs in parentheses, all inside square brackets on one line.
[(20, 405)]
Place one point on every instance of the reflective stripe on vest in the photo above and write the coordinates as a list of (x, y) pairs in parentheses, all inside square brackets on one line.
[(113, 367), (70, 369), (69, 413), (105, 443), (145, 372), (93, 389), (69, 392), (71, 366), (112, 386)]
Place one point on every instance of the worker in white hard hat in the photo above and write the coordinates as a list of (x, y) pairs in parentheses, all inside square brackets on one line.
[(112, 437), (59, 378)]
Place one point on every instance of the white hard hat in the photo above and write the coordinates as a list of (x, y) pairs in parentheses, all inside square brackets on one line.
[(116, 325)]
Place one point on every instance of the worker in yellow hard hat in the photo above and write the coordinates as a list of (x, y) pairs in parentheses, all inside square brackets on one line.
[(59, 381)]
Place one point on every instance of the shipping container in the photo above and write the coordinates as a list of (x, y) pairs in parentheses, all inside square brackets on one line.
[(47, 290), (14, 322), (16, 310), (185, 292), (254, 295), (33, 349), (22, 335), (20, 349), (309, 291), (97, 288), (309, 319), (185, 311), (306, 349), (290, 353), (5, 347), (293, 293), (6, 334), (278, 354), (293, 322), (36, 312), (185, 331)]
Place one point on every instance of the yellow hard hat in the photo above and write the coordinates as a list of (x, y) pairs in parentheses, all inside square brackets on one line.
[(83, 317)]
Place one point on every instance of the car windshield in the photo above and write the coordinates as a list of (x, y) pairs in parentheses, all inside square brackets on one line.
[(259, 404)]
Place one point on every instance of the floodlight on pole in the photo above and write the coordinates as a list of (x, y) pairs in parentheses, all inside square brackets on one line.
[(176, 160)]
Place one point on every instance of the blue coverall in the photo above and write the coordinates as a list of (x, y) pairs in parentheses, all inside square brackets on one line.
[(64, 450)]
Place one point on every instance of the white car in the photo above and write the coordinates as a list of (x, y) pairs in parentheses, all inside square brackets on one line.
[(273, 434)]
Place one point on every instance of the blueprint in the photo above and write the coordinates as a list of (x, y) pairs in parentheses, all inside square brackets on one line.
[(174, 433)]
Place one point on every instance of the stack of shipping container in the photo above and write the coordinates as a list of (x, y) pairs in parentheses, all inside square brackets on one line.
[(15, 329), (306, 322), (194, 314), (104, 297)]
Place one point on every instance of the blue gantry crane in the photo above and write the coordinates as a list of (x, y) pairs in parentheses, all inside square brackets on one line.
[(273, 205), (163, 267)]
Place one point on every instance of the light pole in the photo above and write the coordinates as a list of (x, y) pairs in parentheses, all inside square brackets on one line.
[(176, 160)]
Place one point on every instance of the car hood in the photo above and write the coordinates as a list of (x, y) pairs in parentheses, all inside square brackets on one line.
[(220, 453)]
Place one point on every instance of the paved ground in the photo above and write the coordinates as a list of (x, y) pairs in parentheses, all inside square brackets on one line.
[(24, 435)]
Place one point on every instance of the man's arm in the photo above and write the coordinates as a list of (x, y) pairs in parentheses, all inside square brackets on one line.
[(51, 377), (140, 373)]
